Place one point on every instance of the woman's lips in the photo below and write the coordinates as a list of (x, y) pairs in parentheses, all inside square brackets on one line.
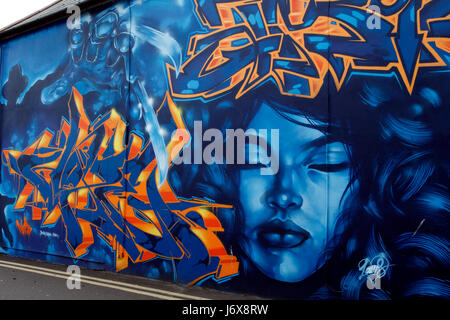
[(278, 234)]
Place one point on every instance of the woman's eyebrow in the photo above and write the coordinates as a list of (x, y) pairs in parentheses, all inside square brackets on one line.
[(316, 143), (319, 142)]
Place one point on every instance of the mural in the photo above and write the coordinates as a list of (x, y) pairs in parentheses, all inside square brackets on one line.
[(289, 149)]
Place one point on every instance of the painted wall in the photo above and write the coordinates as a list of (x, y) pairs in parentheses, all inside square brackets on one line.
[(121, 145)]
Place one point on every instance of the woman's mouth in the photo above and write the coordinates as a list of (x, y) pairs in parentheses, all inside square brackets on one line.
[(278, 234)]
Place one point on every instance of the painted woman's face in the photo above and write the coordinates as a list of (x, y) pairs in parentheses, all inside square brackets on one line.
[(289, 217)]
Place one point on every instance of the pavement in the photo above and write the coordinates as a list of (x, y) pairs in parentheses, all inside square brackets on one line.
[(23, 279)]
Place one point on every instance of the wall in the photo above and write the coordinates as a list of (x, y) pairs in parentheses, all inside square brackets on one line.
[(290, 149)]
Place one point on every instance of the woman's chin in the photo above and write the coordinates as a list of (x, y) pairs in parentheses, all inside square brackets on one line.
[(293, 276), (286, 265)]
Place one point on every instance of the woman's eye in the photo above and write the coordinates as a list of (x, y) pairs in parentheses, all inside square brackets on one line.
[(327, 167), (250, 166)]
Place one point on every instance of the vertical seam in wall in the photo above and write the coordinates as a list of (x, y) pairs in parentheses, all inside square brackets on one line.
[(1, 65), (328, 128), (1, 108), (128, 107)]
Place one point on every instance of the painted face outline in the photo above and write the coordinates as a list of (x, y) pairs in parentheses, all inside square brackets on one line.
[(289, 218)]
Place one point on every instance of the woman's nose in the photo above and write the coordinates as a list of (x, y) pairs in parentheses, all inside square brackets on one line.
[(286, 193), (284, 200)]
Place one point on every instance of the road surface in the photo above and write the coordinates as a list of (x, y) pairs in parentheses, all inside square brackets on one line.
[(22, 279)]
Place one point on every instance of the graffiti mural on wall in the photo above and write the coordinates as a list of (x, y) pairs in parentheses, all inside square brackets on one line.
[(103, 160), (296, 43), (91, 180)]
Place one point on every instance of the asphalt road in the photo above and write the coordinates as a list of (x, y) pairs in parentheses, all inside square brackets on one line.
[(22, 279)]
